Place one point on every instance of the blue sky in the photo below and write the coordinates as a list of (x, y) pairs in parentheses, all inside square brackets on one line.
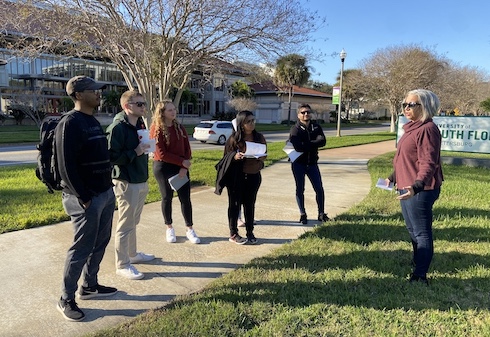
[(458, 30)]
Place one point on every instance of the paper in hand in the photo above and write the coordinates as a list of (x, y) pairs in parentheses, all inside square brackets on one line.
[(255, 150), (382, 184), (291, 152), (144, 137), (177, 182)]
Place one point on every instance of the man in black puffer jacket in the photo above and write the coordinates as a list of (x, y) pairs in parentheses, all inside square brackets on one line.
[(307, 137)]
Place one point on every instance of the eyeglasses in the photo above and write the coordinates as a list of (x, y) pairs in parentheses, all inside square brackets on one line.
[(410, 105), (138, 104), (305, 112), (250, 121)]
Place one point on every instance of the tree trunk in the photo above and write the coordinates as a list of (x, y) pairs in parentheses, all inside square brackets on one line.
[(289, 104), (393, 119)]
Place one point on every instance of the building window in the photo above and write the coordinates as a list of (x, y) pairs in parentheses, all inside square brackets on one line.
[(218, 84)]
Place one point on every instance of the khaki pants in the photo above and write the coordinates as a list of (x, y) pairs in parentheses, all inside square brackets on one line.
[(130, 200)]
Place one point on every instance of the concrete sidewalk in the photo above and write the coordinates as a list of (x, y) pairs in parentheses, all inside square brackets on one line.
[(31, 261)]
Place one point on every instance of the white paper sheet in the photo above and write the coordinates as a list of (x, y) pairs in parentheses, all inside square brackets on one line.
[(382, 184), (144, 136), (291, 152), (255, 150), (176, 182)]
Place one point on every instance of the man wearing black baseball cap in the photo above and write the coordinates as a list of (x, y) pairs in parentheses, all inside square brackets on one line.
[(88, 198), (82, 83)]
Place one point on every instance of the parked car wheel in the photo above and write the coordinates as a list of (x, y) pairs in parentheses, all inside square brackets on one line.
[(222, 140)]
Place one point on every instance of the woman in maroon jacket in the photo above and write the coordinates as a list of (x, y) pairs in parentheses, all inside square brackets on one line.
[(172, 156), (418, 175)]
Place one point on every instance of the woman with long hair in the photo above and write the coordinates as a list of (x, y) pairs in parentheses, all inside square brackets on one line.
[(172, 157), (243, 177)]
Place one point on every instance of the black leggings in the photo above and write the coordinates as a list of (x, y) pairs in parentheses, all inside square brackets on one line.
[(244, 193), (162, 171)]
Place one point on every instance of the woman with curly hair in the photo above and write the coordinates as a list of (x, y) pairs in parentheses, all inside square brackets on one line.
[(172, 156)]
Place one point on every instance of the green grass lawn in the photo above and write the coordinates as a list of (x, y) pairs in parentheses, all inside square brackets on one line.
[(349, 276), (345, 278), (11, 134), (22, 192)]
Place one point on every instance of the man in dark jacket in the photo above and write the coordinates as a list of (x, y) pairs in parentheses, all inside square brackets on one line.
[(307, 137), (129, 155), (88, 198)]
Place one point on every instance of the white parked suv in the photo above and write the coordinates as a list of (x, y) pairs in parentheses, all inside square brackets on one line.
[(213, 131)]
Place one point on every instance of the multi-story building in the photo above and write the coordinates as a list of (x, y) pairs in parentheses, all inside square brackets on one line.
[(40, 83)]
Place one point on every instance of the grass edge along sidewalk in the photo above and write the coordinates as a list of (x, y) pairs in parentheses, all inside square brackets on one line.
[(348, 277)]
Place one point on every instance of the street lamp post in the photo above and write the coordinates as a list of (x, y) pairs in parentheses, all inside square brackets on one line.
[(343, 55)]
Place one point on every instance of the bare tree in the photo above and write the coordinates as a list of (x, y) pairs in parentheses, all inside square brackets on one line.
[(28, 104), (157, 44), (241, 104), (353, 88), (462, 88), (257, 73), (391, 72)]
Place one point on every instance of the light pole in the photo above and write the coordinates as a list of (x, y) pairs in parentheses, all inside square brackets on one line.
[(343, 55)]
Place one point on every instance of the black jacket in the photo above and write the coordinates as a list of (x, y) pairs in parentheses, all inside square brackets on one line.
[(307, 140), (83, 156), (227, 171)]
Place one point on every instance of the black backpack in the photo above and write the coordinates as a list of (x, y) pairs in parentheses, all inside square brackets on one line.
[(47, 168)]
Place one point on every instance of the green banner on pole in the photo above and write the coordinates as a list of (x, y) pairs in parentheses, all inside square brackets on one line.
[(336, 95)]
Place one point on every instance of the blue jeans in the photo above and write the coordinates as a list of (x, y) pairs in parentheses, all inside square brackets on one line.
[(313, 173), (92, 233), (417, 212)]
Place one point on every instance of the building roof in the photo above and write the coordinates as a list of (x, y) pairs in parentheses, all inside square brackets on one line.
[(270, 88)]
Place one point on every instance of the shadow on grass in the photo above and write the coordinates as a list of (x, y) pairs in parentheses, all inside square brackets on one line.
[(316, 272), (393, 262), (375, 293)]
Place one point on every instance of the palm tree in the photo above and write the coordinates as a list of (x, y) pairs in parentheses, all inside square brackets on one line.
[(291, 70)]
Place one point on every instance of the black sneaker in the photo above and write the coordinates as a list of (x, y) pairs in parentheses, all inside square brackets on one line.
[(86, 293), (238, 239), (252, 239), (303, 219), (323, 217), (415, 278), (70, 310)]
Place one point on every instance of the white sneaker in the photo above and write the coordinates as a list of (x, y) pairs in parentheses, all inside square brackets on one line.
[(171, 235), (141, 257), (130, 273), (191, 235)]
